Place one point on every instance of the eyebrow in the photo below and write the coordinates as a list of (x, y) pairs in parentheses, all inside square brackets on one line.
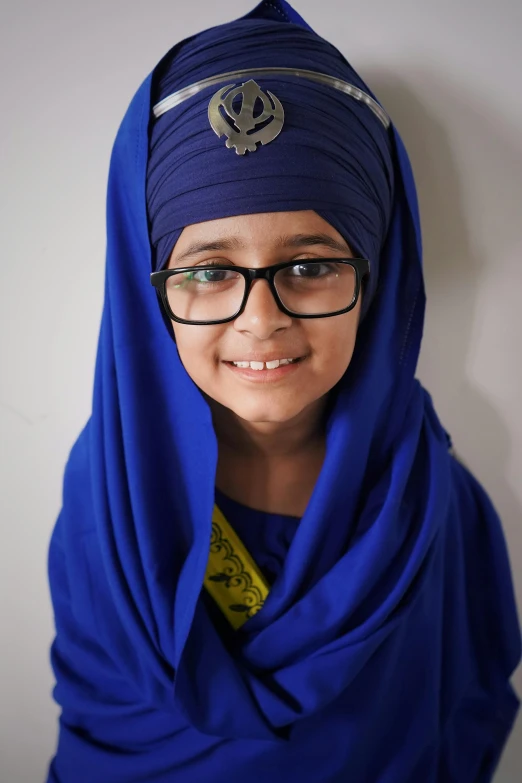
[(294, 241)]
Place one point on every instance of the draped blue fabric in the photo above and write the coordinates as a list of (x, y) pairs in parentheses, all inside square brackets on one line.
[(384, 650)]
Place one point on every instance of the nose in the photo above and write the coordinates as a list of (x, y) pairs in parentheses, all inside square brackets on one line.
[(261, 316)]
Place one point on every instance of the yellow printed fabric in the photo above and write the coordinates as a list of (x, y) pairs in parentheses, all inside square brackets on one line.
[(233, 578)]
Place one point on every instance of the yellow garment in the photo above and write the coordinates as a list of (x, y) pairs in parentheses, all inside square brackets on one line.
[(232, 577)]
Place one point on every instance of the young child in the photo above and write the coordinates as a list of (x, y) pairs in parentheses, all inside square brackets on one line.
[(269, 566)]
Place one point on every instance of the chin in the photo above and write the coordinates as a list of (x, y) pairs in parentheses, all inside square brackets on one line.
[(266, 414)]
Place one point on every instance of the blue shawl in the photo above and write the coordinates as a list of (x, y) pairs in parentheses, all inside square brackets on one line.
[(384, 650)]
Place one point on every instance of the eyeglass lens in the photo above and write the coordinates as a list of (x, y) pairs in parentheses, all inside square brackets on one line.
[(304, 289)]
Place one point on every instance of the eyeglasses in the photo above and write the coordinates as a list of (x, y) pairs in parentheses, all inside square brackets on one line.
[(218, 293)]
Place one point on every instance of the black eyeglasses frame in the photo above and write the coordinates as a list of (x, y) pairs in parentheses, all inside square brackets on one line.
[(159, 281)]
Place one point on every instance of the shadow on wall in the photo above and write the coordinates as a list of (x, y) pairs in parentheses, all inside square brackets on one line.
[(458, 266)]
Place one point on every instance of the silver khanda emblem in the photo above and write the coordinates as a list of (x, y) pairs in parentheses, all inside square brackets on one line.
[(243, 134)]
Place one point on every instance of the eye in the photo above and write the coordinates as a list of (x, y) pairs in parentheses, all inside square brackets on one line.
[(212, 275), (315, 269)]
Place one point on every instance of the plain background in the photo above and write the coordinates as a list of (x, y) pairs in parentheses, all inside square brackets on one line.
[(448, 73)]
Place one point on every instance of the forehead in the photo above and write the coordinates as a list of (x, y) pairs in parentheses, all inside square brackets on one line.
[(261, 230)]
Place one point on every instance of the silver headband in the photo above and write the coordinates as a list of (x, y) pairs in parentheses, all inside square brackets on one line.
[(321, 78)]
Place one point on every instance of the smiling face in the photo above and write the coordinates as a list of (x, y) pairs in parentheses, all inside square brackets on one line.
[(262, 331)]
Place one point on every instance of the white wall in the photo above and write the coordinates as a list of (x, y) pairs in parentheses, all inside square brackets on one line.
[(449, 74)]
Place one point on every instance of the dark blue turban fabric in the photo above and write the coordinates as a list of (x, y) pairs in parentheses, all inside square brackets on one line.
[(384, 650), (334, 155)]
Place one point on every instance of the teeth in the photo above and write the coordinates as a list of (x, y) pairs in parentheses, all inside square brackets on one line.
[(273, 365)]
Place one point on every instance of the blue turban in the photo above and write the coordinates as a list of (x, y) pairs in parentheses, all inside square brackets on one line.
[(334, 155), (384, 649)]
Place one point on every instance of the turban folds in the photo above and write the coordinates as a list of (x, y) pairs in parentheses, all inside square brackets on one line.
[(333, 154)]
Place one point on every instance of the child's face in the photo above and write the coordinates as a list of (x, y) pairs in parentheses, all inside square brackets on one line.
[(263, 331)]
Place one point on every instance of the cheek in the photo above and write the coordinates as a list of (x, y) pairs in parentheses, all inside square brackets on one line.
[(334, 344), (197, 347)]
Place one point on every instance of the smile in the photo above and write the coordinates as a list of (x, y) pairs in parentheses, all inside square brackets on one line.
[(273, 365), (274, 371)]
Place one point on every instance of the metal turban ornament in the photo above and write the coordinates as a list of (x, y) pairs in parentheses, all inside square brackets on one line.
[(242, 134), (242, 128)]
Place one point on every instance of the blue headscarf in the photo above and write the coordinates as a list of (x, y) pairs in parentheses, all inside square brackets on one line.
[(387, 642)]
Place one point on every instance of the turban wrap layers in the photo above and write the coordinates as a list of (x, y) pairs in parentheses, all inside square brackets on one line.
[(384, 650), (333, 155)]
